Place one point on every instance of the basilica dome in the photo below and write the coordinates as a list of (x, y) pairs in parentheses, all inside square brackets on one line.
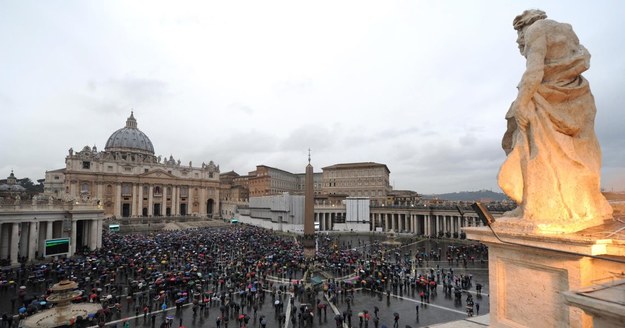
[(129, 139)]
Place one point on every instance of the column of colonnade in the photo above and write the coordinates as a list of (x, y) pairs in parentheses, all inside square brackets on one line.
[(33, 239), (73, 238), (203, 199), (133, 205), (174, 200), (151, 200), (164, 201), (319, 218), (139, 201), (93, 234), (190, 201), (117, 209)]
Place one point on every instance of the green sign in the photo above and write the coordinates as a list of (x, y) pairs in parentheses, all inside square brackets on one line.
[(56, 246)]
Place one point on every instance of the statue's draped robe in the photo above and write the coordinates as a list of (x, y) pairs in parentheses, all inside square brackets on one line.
[(553, 167)]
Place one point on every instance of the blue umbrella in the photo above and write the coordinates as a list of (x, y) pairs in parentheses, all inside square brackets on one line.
[(22, 310)]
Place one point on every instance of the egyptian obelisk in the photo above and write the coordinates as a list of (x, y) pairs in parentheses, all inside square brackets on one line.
[(309, 212)]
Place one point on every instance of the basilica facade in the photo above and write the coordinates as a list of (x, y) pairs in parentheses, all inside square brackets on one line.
[(128, 180)]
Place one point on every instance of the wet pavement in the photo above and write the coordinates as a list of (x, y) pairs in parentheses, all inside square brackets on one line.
[(441, 308)]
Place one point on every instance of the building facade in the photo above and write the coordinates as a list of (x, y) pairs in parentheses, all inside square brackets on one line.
[(266, 180), (128, 180), (366, 179)]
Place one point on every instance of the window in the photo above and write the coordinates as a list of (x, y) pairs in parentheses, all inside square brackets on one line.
[(86, 165), (84, 187), (110, 168), (210, 175), (157, 190), (145, 170), (127, 169), (184, 191), (56, 177), (126, 189)]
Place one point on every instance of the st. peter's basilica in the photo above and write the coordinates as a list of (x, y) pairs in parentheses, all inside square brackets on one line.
[(128, 180)]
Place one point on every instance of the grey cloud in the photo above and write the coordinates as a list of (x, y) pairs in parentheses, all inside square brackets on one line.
[(240, 107), (131, 91), (294, 85)]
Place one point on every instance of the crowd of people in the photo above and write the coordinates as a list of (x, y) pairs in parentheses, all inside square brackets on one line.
[(232, 269)]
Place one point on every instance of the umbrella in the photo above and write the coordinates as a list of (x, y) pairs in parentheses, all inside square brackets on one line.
[(22, 310)]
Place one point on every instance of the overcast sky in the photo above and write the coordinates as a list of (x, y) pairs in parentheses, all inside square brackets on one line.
[(421, 86)]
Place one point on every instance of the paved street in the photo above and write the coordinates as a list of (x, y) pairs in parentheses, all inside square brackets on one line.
[(441, 308)]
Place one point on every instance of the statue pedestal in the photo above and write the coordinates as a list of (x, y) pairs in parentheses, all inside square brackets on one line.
[(527, 284)]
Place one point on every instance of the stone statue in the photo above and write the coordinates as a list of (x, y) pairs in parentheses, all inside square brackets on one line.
[(71, 152), (553, 166), (50, 200)]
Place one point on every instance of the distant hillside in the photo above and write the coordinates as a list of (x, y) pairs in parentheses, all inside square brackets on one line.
[(470, 196)]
